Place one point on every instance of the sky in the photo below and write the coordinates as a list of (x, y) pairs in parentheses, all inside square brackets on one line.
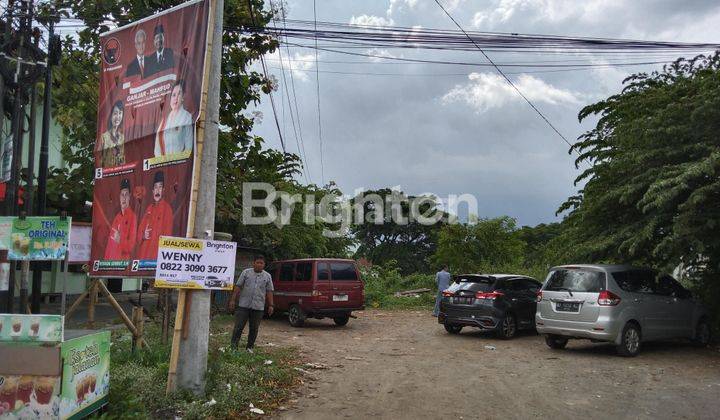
[(460, 130)]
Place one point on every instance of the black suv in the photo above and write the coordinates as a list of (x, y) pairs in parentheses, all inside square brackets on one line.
[(504, 303)]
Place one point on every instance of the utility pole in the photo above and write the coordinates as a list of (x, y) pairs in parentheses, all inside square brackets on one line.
[(29, 189), (19, 124), (52, 59), (45, 135), (8, 295), (193, 351)]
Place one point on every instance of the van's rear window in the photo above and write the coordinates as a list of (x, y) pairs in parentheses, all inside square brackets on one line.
[(343, 271), (576, 281)]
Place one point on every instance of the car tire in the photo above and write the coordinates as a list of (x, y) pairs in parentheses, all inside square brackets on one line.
[(452, 328), (341, 321), (555, 342), (630, 340), (507, 327), (702, 333), (296, 316)]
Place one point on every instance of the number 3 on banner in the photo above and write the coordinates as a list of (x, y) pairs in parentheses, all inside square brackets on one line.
[(98, 173), (135, 265)]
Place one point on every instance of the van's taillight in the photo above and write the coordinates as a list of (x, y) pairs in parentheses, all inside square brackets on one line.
[(448, 293), (538, 296), (489, 296), (607, 298)]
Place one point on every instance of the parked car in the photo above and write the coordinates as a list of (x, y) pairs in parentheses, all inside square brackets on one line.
[(504, 303), (619, 304), (317, 288)]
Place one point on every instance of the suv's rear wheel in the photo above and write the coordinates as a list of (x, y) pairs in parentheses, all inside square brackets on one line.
[(453, 329), (508, 327), (296, 316), (702, 333), (630, 341), (555, 342), (341, 320)]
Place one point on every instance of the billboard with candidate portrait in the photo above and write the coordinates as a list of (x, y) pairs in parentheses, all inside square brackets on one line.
[(151, 85)]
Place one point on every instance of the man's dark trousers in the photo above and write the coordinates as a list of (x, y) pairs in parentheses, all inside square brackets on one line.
[(242, 316)]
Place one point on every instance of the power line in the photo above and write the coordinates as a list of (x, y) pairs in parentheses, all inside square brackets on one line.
[(317, 84), (507, 78), (287, 94), (272, 101), (463, 63), (363, 73)]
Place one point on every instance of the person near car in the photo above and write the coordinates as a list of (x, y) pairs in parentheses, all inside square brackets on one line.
[(254, 288), (442, 279)]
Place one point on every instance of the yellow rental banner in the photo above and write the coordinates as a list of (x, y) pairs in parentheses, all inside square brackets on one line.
[(184, 263)]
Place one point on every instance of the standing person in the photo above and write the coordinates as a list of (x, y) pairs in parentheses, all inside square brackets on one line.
[(176, 130), (123, 228), (255, 289), (156, 222), (442, 278)]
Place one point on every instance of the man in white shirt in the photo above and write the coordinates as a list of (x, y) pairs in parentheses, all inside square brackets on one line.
[(254, 287), (137, 65)]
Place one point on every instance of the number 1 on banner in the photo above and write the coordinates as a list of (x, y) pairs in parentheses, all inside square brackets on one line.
[(146, 164)]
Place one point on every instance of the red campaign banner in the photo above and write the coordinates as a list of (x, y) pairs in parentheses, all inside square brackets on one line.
[(151, 84)]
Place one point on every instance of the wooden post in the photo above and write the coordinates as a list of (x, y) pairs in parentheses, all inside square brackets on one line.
[(120, 311), (76, 304), (140, 326), (138, 319), (93, 301), (134, 319), (166, 315), (177, 332)]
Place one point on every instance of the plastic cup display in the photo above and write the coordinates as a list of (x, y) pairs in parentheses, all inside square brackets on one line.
[(8, 391), (44, 388), (25, 389), (34, 327)]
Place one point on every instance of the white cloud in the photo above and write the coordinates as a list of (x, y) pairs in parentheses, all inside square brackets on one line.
[(298, 63), (397, 5), (371, 20), (486, 90)]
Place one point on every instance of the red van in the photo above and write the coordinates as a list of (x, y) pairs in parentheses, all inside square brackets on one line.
[(317, 288)]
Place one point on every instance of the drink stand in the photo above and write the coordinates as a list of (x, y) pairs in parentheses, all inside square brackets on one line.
[(46, 371), (51, 373)]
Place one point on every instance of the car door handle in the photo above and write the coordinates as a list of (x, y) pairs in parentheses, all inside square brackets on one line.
[(514, 299), (636, 300)]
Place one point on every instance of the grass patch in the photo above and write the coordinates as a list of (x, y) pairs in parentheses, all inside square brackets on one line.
[(381, 283), (235, 379)]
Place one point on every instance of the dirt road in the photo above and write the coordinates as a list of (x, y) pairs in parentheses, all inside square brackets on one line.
[(393, 365)]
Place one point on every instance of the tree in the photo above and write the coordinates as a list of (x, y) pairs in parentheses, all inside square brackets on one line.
[(410, 245), (652, 194), (487, 245)]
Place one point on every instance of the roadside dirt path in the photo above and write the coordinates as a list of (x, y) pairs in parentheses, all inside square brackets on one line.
[(403, 365)]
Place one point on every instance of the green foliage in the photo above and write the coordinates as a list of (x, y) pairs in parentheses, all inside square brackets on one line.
[(652, 194), (382, 281), (235, 379), (488, 245), (410, 245)]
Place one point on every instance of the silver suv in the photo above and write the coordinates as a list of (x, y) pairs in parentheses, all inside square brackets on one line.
[(619, 304)]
